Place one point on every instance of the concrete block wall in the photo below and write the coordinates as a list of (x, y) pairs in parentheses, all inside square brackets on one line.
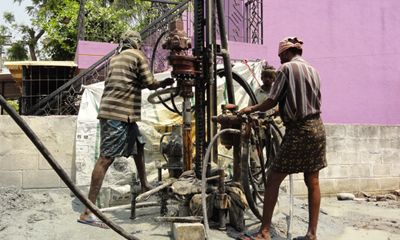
[(22, 165), (360, 158)]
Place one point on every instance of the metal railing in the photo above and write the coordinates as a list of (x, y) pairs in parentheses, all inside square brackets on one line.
[(244, 25)]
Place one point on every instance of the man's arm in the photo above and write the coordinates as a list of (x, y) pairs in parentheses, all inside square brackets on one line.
[(162, 84), (262, 107)]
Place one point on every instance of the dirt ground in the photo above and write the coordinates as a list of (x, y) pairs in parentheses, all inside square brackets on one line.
[(53, 215)]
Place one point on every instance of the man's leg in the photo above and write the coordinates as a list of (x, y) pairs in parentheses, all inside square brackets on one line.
[(141, 167), (270, 197), (314, 200), (98, 174)]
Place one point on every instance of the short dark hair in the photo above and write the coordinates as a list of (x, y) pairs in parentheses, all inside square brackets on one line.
[(293, 50), (269, 73)]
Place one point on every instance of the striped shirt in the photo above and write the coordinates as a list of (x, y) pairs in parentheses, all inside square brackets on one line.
[(122, 96), (297, 89)]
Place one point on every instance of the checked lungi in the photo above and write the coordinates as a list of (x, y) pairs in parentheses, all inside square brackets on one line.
[(303, 148)]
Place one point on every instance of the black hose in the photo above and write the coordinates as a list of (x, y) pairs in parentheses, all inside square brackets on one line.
[(60, 172), (239, 79)]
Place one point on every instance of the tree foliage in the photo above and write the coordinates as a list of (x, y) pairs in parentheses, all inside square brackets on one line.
[(56, 22), (105, 21)]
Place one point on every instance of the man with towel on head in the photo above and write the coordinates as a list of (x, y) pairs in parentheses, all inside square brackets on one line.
[(297, 90), (120, 109)]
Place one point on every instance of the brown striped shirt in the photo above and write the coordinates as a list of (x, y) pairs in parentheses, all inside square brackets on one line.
[(297, 89), (122, 96)]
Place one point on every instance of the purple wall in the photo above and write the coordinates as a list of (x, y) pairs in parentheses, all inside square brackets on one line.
[(88, 53), (354, 46)]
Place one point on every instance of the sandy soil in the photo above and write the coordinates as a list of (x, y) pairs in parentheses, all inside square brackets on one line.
[(53, 215)]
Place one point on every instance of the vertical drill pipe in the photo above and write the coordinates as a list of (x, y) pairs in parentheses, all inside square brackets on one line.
[(203, 179), (187, 134), (225, 51), (221, 190), (237, 159), (58, 169), (212, 93), (187, 148)]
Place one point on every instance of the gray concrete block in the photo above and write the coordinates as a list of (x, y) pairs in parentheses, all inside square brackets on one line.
[(385, 144), (299, 187), (62, 158), (297, 176), (328, 186), (40, 179), (370, 131), (335, 144), (347, 157), (323, 172), (371, 145), (11, 178), (390, 184), (396, 170), (381, 170), (19, 160), (337, 171), (395, 143), (391, 156), (389, 132), (352, 131), (335, 130), (332, 158), (368, 184), (360, 171), (372, 158), (346, 185), (12, 127), (188, 231)]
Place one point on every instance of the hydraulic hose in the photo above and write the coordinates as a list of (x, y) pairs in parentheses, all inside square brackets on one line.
[(239, 79), (203, 178), (60, 172)]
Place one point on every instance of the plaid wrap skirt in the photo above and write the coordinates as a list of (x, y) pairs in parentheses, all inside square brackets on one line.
[(303, 148)]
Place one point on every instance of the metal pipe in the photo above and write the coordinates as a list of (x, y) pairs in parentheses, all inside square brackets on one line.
[(221, 191), (203, 178), (225, 51), (290, 225), (187, 134), (60, 172)]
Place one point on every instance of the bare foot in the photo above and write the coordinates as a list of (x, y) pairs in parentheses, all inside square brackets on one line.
[(256, 236), (305, 238), (146, 187)]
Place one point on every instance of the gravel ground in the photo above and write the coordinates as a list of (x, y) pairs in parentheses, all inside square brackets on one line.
[(53, 215)]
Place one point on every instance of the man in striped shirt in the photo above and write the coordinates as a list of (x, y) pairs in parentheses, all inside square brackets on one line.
[(297, 90), (120, 109)]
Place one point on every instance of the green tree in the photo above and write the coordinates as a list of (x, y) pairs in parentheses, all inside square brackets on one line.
[(105, 21), (56, 21), (30, 37)]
